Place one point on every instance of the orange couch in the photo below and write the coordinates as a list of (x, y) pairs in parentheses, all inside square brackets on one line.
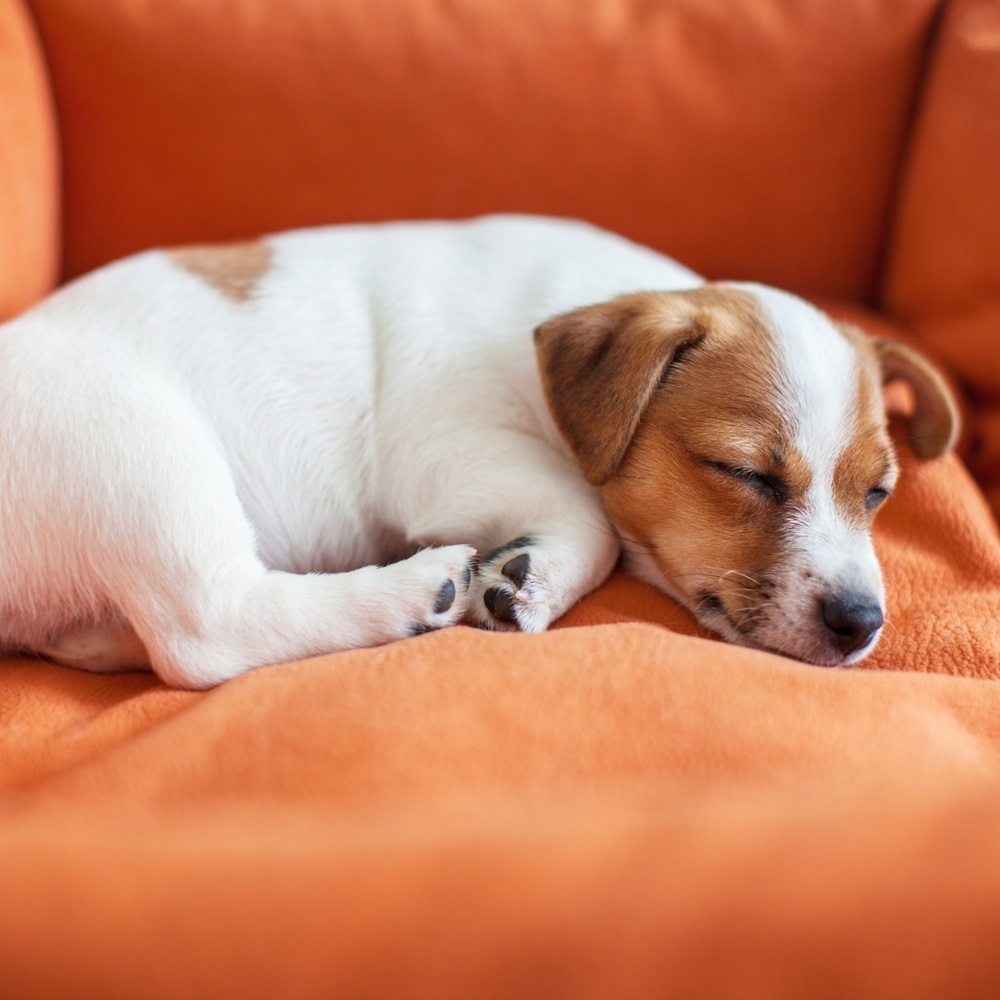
[(623, 806)]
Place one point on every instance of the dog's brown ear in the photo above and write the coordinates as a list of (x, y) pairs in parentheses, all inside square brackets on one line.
[(600, 366), (935, 422)]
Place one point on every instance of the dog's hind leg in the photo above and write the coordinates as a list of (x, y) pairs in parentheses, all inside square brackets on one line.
[(110, 647), (240, 615), (150, 525)]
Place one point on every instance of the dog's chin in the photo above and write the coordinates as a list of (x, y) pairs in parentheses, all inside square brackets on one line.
[(714, 618), (806, 649)]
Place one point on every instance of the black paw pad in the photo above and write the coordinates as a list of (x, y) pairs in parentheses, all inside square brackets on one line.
[(445, 597), (521, 542), (500, 604), (516, 569), (418, 629)]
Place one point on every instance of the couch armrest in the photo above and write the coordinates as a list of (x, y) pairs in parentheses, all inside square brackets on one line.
[(945, 255), (29, 193)]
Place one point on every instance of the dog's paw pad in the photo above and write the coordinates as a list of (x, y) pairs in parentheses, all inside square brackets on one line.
[(445, 597), (500, 604), (510, 592), (516, 569), (431, 588)]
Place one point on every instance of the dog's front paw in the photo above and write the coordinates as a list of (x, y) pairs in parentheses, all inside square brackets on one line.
[(513, 589), (431, 589)]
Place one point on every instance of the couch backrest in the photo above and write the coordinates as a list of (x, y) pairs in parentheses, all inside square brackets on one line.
[(29, 215), (758, 140)]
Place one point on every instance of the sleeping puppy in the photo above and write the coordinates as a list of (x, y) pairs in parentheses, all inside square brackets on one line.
[(214, 459)]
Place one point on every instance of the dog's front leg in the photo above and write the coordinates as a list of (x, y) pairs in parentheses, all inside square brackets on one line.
[(531, 580), (543, 537)]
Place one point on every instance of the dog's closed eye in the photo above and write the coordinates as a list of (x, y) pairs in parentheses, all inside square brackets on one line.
[(769, 486)]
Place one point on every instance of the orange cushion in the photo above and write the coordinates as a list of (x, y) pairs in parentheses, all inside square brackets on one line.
[(749, 140), (29, 204)]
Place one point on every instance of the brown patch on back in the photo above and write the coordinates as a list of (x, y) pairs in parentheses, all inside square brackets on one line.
[(233, 268)]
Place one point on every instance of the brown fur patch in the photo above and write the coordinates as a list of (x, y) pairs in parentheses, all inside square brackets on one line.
[(700, 522), (233, 268), (868, 460), (599, 367), (934, 426), (934, 423)]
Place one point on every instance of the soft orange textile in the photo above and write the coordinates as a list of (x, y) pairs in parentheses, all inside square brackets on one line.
[(207, 119), (29, 205), (623, 806)]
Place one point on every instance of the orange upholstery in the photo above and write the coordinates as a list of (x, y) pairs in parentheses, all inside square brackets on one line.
[(29, 239), (946, 241), (623, 806)]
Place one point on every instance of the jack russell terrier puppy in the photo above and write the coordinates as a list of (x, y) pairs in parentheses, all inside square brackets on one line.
[(214, 459)]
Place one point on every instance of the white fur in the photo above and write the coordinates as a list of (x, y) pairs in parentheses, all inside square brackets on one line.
[(220, 478)]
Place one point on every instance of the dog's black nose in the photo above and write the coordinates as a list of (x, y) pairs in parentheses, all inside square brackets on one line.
[(852, 620)]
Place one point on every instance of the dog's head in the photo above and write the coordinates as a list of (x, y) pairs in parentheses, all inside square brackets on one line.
[(739, 439)]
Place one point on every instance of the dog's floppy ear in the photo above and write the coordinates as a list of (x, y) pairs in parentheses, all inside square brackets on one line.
[(935, 423), (600, 366)]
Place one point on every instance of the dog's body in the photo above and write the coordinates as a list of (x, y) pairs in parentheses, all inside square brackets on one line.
[(206, 452)]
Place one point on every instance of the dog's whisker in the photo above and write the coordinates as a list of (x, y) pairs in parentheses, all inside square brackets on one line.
[(736, 572)]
